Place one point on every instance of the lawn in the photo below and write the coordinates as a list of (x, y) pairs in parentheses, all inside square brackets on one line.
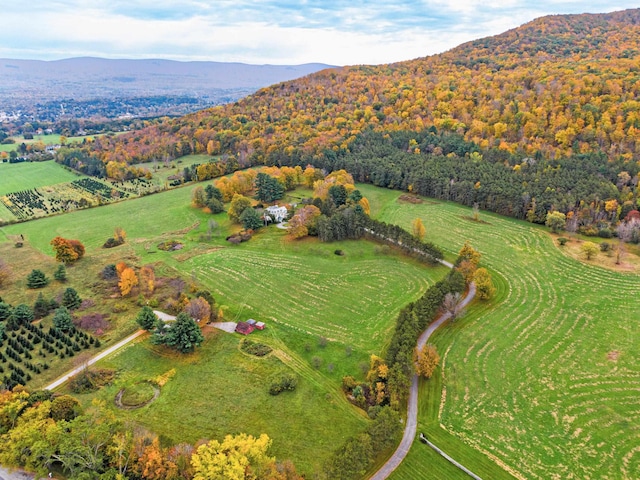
[(545, 378), (28, 175)]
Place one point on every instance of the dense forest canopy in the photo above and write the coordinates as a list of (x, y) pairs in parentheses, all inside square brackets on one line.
[(542, 117), (558, 84)]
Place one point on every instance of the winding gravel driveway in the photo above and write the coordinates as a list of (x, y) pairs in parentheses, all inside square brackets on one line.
[(412, 409)]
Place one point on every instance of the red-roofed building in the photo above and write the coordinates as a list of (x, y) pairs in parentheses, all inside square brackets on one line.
[(244, 328)]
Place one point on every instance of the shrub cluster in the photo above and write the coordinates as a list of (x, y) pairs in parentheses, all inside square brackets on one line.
[(255, 348), (90, 380), (283, 383)]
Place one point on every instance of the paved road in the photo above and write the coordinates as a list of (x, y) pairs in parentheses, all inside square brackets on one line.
[(412, 408), (98, 357)]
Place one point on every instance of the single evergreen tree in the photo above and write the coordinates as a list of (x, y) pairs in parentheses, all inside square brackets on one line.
[(71, 299), (184, 334), (61, 273), (268, 188), (213, 192), (147, 319), (62, 319), (40, 307), (5, 311), (251, 219), (37, 279), (21, 315)]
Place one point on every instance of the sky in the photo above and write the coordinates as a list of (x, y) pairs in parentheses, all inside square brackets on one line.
[(280, 32)]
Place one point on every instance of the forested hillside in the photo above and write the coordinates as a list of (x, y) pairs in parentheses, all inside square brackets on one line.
[(556, 88)]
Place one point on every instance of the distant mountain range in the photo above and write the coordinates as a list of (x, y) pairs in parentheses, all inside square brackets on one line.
[(24, 83)]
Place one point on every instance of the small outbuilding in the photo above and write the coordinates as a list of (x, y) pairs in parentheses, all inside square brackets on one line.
[(260, 325), (244, 328), (252, 322)]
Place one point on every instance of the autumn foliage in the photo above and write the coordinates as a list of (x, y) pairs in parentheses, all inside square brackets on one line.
[(66, 250), (427, 360), (556, 85), (127, 278)]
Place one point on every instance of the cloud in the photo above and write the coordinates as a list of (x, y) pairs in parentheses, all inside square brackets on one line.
[(262, 31)]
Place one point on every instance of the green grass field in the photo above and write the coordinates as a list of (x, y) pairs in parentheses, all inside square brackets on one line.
[(161, 171), (301, 289), (545, 378), (142, 218), (53, 139), (219, 390), (27, 175)]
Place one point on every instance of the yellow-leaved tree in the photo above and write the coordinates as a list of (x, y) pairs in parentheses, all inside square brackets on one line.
[(484, 284), (240, 457), (418, 229), (427, 361), (128, 280)]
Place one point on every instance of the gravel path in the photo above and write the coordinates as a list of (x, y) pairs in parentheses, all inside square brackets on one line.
[(98, 357), (412, 408)]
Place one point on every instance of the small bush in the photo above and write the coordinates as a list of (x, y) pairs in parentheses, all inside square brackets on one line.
[(285, 382), (119, 307), (562, 241), (605, 233), (112, 242), (605, 247), (170, 245), (339, 252), (109, 272), (589, 231)]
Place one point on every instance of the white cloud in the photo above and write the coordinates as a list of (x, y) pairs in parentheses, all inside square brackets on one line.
[(256, 31)]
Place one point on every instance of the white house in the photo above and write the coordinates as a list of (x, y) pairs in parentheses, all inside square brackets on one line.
[(275, 213)]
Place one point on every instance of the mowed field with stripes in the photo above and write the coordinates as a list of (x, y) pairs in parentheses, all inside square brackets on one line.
[(545, 379)]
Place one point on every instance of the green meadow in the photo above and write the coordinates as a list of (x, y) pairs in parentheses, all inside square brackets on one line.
[(544, 378), (53, 139), (27, 175)]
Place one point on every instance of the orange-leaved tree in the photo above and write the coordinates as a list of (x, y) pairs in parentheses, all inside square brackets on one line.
[(66, 250)]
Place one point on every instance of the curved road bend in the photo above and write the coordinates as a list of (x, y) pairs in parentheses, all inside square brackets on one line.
[(412, 409)]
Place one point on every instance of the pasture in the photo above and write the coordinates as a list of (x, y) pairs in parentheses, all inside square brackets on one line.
[(28, 175), (161, 171), (543, 378)]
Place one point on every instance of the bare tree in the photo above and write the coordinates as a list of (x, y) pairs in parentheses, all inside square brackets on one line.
[(453, 304)]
